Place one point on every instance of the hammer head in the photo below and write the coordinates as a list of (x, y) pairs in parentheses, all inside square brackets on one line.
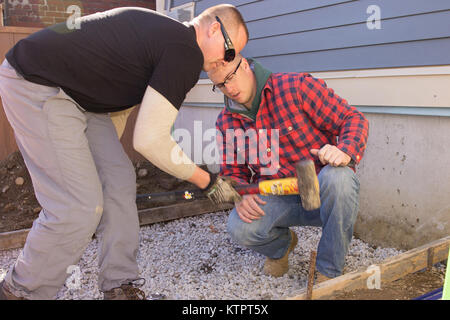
[(308, 184)]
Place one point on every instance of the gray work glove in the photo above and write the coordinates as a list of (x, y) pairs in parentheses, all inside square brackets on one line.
[(221, 190)]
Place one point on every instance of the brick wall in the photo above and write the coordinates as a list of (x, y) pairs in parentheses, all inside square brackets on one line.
[(42, 13)]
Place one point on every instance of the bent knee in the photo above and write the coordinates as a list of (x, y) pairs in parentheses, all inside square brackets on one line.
[(89, 214), (87, 210), (243, 233), (339, 179)]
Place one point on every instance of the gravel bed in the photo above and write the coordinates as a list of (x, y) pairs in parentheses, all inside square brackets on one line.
[(194, 258)]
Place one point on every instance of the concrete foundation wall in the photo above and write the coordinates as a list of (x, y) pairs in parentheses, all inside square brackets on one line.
[(405, 181)]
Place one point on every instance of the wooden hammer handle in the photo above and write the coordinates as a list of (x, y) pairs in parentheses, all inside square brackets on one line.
[(308, 184)]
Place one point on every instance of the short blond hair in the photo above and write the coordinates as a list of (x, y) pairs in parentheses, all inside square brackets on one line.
[(228, 14)]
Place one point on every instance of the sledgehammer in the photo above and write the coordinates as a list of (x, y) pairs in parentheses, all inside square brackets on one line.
[(306, 184)]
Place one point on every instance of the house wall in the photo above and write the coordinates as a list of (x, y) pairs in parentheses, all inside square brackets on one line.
[(405, 181), (398, 76)]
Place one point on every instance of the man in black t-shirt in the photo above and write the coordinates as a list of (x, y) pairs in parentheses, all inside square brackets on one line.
[(58, 87)]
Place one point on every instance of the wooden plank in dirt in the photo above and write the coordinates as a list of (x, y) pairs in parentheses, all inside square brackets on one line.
[(177, 211), (390, 270), (13, 239), (16, 239)]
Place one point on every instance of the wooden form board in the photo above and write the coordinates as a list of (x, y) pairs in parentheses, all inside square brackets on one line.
[(177, 211), (16, 239), (13, 239), (9, 36), (390, 270)]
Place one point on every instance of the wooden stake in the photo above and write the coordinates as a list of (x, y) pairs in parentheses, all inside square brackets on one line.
[(312, 271), (430, 259)]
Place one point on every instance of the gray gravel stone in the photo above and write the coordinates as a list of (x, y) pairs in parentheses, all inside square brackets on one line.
[(184, 259)]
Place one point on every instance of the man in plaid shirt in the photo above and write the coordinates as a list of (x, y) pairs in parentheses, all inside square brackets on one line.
[(277, 119)]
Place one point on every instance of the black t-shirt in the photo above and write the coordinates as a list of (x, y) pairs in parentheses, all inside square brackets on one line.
[(107, 63)]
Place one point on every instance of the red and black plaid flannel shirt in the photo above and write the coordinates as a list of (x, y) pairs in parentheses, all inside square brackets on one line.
[(306, 113)]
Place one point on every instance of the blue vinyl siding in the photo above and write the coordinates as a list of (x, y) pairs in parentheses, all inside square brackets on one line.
[(265, 9), (399, 30), (176, 3), (346, 13), (416, 53), (328, 35)]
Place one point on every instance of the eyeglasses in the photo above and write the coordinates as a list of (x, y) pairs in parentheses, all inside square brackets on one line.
[(230, 53), (228, 78)]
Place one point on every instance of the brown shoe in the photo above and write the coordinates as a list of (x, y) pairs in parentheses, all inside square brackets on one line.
[(321, 278), (5, 294), (128, 291), (278, 267)]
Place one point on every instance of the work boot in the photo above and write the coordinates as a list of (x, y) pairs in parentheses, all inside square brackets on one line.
[(278, 267), (127, 291), (321, 278), (5, 294)]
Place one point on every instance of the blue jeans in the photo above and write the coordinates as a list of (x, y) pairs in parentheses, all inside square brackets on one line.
[(270, 236)]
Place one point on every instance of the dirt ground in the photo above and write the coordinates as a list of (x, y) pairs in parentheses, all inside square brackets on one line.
[(19, 208), (407, 288)]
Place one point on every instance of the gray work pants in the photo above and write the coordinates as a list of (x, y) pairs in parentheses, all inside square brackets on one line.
[(84, 182)]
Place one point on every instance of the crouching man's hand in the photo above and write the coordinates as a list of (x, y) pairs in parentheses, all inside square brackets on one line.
[(220, 190), (248, 209), (331, 155)]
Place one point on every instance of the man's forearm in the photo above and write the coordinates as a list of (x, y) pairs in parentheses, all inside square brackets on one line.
[(153, 140), (354, 134), (200, 178), (333, 114)]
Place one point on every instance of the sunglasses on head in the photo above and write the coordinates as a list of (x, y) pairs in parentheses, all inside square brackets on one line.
[(230, 53)]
